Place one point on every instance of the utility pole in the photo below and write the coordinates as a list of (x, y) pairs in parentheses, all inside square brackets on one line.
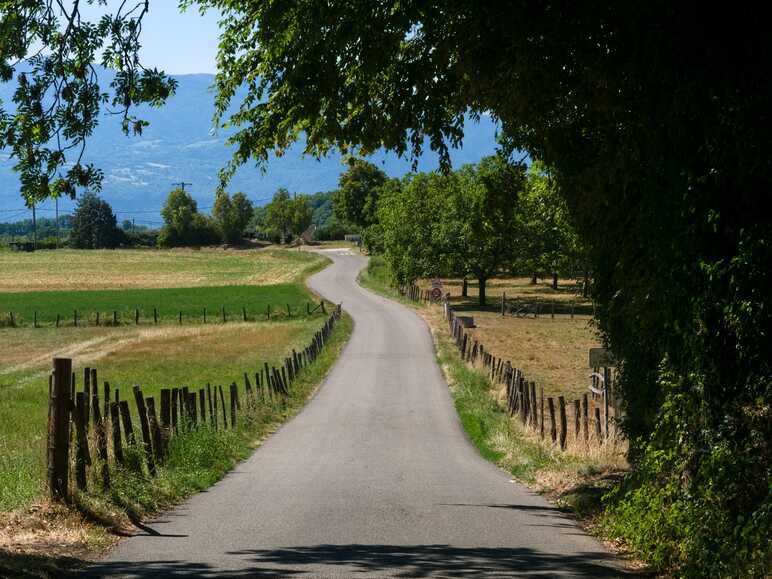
[(34, 229), (56, 204), (182, 184)]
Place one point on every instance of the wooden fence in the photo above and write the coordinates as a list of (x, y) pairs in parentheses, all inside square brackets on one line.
[(139, 316), (85, 432), (548, 417)]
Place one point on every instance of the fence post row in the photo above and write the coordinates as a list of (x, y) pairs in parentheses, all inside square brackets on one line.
[(520, 394), (71, 413)]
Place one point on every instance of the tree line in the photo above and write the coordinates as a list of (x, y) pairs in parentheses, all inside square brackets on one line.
[(479, 221)]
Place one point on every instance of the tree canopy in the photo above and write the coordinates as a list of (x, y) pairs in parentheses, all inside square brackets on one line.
[(51, 51), (656, 130), (94, 225), (356, 199)]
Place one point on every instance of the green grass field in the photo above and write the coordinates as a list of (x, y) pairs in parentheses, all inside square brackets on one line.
[(168, 303)]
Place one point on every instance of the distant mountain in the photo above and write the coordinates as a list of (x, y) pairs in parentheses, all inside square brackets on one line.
[(179, 145)]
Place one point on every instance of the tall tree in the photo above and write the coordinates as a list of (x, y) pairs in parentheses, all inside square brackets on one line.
[(302, 214), (548, 242), (356, 199), (279, 214), (94, 225), (183, 224), (480, 224)]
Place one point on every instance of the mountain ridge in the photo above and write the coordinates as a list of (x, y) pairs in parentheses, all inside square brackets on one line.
[(179, 145)]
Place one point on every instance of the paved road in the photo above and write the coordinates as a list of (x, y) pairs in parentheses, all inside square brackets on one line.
[(374, 478)]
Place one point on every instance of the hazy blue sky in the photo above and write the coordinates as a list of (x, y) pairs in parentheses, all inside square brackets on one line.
[(178, 43)]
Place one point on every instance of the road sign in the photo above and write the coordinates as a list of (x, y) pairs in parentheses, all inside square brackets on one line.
[(436, 294)]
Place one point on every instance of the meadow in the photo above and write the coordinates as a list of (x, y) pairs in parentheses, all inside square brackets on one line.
[(76, 270), (153, 356), (146, 306)]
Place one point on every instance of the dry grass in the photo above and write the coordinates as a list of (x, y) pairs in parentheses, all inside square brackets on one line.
[(66, 269), (516, 288), (553, 353), (48, 540)]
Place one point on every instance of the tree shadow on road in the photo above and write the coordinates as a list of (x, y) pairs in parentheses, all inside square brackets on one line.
[(381, 560)]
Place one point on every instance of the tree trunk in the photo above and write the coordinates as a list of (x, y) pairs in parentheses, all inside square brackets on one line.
[(586, 285), (464, 289), (554, 280), (534, 279), (481, 285)]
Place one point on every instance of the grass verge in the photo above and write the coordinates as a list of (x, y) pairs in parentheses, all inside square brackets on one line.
[(41, 541)]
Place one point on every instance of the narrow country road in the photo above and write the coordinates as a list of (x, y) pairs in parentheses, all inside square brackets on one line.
[(374, 478)]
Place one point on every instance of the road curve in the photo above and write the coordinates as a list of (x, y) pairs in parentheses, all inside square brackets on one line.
[(374, 478)]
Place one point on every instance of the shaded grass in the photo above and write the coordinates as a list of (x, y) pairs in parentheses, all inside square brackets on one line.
[(168, 303), (71, 269)]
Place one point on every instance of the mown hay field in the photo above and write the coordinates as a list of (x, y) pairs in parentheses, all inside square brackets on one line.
[(73, 270)]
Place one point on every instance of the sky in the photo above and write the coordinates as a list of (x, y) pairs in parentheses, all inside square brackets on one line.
[(177, 43)]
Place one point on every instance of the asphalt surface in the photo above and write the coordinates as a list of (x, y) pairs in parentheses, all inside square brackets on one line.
[(374, 478)]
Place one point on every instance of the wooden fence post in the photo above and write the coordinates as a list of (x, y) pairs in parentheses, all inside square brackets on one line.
[(563, 422), (145, 426), (212, 409), (577, 423), (59, 430), (155, 429), (166, 410), (553, 426), (100, 429), (234, 403), (82, 458), (174, 409), (202, 404), (128, 427), (222, 404), (598, 434), (586, 417), (115, 421)]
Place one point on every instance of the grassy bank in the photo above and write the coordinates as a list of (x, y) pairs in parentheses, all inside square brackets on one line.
[(196, 460)]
